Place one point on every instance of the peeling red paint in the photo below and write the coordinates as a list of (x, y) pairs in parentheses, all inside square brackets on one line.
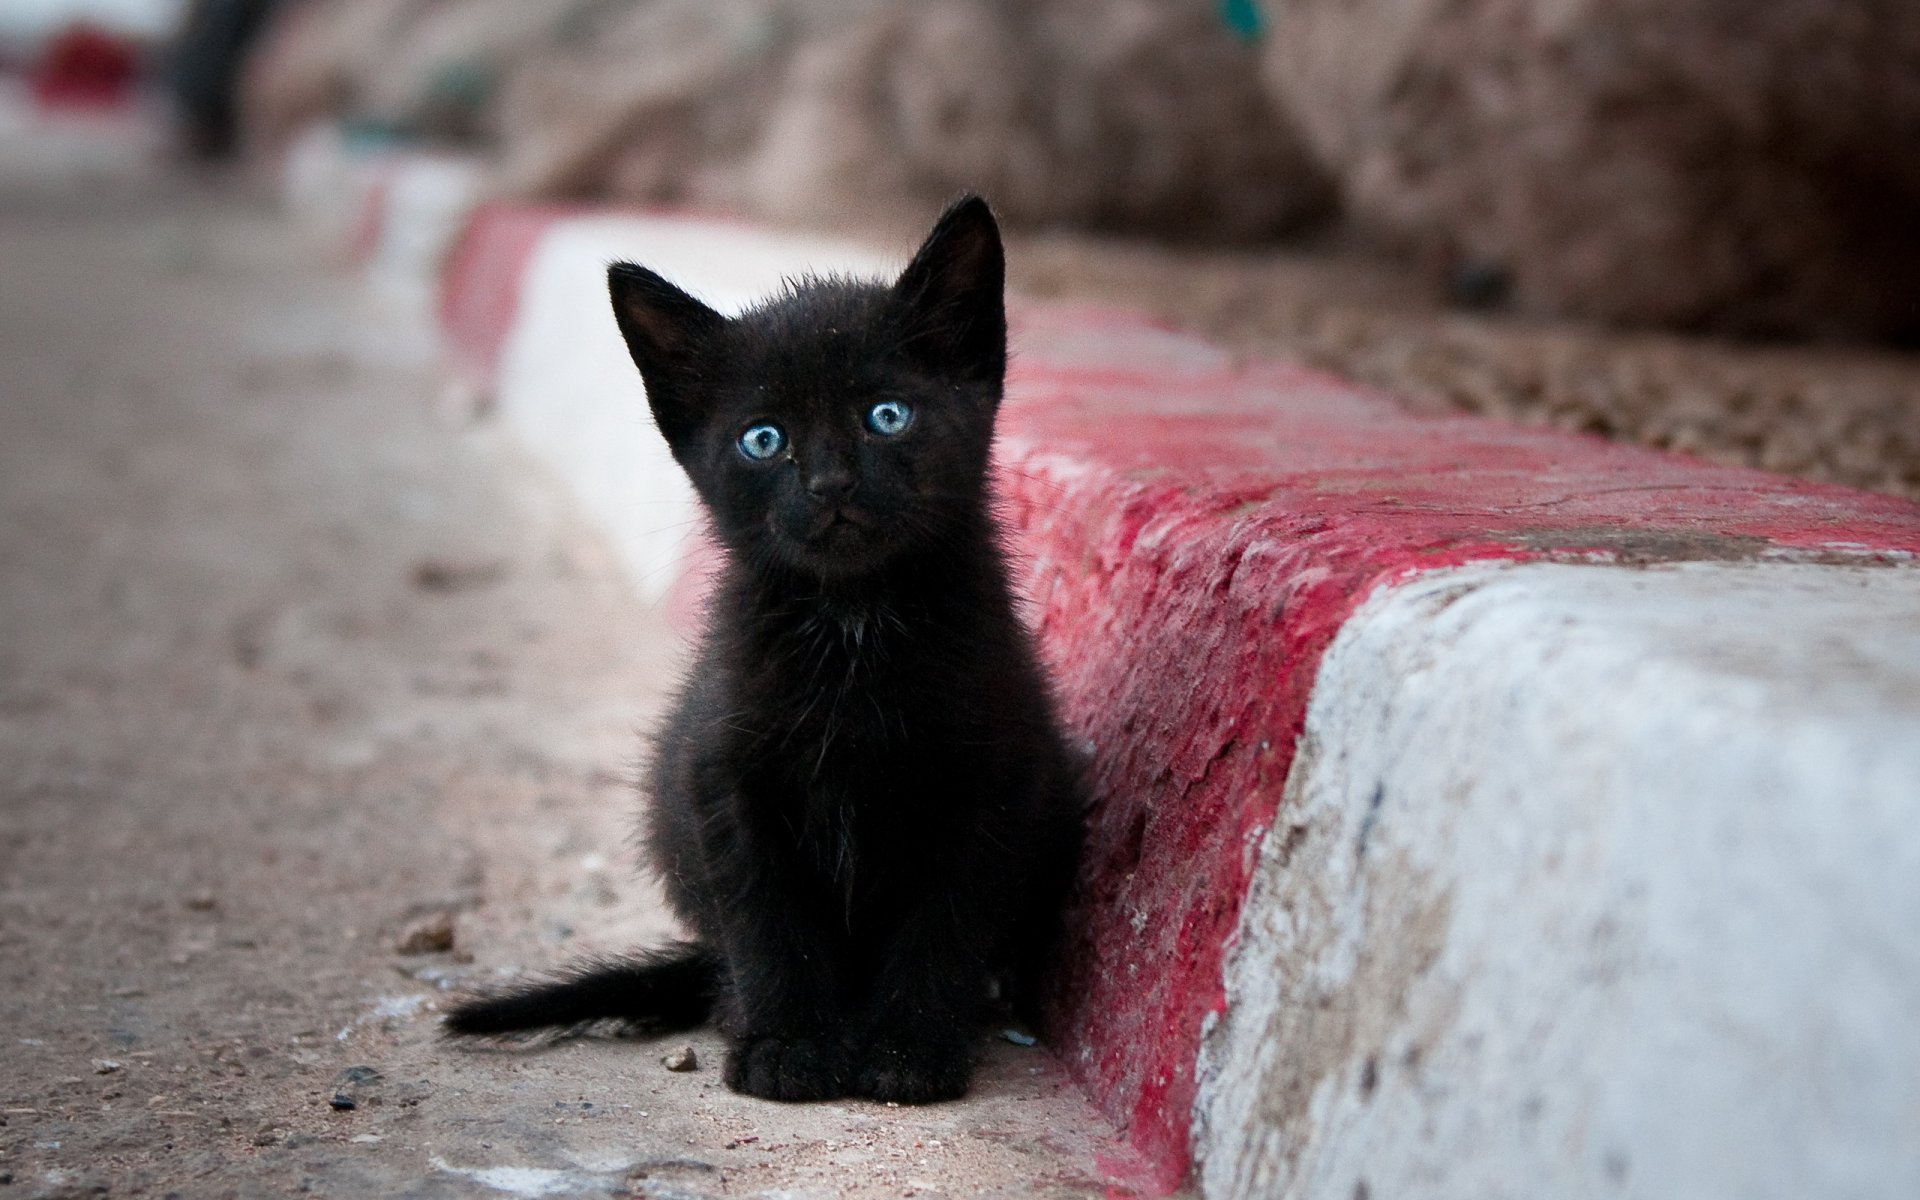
[(1191, 551), (480, 284)]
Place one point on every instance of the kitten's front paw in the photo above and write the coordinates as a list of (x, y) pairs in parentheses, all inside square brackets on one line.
[(914, 1072), (787, 1068)]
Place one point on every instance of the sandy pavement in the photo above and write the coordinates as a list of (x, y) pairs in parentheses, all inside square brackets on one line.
[(292, 671)]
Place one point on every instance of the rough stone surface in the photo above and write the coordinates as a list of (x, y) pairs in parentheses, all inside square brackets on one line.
[(1112, 114), (1130, 115), (661, 102), (1691, 163), (1681, 962), (247, 742), (399, 67)]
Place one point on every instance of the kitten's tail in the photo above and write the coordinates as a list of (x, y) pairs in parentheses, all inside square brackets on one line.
[(657, 991)]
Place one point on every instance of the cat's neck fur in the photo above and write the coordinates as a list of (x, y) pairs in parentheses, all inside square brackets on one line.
[(964, 578)]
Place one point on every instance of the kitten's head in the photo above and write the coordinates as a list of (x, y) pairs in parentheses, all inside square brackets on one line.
[(840, 424)]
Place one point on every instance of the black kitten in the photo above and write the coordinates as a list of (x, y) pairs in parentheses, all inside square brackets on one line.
[(863, 806)]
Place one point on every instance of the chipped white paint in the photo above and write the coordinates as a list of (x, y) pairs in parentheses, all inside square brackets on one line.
[(1590, 881), (569, 391)]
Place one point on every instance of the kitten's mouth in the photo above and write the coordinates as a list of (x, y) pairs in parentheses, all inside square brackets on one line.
[(837, 541), (835, 522)]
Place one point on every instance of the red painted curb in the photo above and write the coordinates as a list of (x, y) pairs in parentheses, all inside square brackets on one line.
[(480, 284), (1193, 533)]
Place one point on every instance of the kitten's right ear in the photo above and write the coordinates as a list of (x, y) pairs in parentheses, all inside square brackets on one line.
[(670, 336)]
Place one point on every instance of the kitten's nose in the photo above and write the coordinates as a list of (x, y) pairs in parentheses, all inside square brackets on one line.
[(830, 483)]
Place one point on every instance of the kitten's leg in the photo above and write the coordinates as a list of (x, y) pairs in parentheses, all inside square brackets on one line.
[(782, 1015), (782, 1026), (925, 1009), (994, 901)]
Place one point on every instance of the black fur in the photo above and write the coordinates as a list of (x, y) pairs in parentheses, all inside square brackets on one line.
[(658, 991), (863, 807)]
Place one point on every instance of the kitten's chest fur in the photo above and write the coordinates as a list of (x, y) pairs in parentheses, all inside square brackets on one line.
[(839, 682), (862, 734), (859, 711)]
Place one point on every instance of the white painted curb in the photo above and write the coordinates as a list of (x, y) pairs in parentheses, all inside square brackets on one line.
[(1590, 881)]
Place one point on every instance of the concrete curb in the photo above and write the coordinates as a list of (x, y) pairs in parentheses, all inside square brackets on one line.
[(1451, 839), (1588, 881)]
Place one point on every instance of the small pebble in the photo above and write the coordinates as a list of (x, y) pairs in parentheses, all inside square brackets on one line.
[(682, 1059), (106, 1066), (348, 1086), (452, 575), (431, 935)]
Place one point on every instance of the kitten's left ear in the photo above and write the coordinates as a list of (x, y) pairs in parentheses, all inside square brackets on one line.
[(954, 293)]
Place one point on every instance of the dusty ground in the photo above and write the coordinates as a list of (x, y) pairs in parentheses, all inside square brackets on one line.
[(287, 668), (1848, 415)]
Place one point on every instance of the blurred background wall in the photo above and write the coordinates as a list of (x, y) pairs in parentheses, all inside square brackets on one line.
[(1114, 114), (1714, 165), (1689, 164)]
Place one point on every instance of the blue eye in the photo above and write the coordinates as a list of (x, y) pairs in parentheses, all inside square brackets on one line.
[(889, 417), (761, 442)]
